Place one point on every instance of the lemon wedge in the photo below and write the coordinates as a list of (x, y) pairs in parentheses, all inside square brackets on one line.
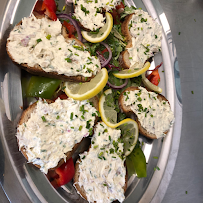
[(130, 73), (129, 127), (106, 109), (150, 85), (87, 90), (130, 132), (103, 32)]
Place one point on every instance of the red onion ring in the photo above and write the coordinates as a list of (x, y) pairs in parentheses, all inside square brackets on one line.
[(66, 16), (117, 87), (103, 64)]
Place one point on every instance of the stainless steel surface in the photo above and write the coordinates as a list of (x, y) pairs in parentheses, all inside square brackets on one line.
[(29, 184)]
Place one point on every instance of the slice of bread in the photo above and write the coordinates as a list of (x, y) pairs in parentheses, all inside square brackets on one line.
[(127, 110), (26, 116), (80, 189), (37, 70)]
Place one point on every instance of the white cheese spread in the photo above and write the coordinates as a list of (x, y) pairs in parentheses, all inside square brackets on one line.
[(53, 130), (146, 38), (39, 41), (154, 115), (101, 170), (89, 12)]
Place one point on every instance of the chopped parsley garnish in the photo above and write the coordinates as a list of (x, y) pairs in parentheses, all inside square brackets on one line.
[(58, 117), (44, 119), (71, 116), (68, 60), (80, 128), (48, 37), (39, 40), (192, 92), (155, 36), (84, 9)]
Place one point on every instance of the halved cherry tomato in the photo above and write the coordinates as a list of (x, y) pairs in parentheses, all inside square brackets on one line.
[(62, 175), (50, 9), (71, 29), (154, 77)]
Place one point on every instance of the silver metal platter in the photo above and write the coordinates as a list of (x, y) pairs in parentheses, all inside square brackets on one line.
[(21, 181)]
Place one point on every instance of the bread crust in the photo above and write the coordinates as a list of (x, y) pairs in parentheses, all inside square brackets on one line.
[(37, 70), (26, 116), (127, 110)]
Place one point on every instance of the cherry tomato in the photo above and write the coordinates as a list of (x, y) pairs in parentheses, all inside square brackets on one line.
[(154, 77), (71, 29)]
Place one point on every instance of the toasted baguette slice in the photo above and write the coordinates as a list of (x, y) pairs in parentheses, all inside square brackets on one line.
[(26, 116), (37, 70), (127, 110)]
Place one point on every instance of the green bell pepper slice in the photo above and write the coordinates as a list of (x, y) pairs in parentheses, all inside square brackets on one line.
[(42, 87)]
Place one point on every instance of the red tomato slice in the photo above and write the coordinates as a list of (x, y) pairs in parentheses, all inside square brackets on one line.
[(154, 77), (70, 27)]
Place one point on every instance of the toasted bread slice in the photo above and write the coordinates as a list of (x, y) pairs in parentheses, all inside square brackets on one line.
[(80, 189), (127, 110), (26, 116), (37, 70)]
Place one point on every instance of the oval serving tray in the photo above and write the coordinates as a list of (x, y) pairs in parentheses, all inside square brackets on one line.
[(22, 182)]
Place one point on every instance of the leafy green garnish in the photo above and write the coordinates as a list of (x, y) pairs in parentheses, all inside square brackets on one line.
[(127, 11)]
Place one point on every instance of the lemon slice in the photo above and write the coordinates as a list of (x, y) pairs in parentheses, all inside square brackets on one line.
[(103, 32), (87, 90), (130, 73), (106, 109), (130, 131), (150, 85)]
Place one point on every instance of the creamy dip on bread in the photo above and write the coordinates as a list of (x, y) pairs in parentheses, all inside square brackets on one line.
[(154, 115), (146, 38), (101, 169), (40, 42), (54, 129)]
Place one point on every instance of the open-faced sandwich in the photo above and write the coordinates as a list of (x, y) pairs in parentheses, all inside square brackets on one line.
[(100, 174), (41, 46), (49, 132), (143, 35), (154, 115)]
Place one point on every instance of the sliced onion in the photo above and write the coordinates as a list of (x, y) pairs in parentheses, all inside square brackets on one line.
[(117, 87), (110, 54), (77, 27), (69, 1)]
